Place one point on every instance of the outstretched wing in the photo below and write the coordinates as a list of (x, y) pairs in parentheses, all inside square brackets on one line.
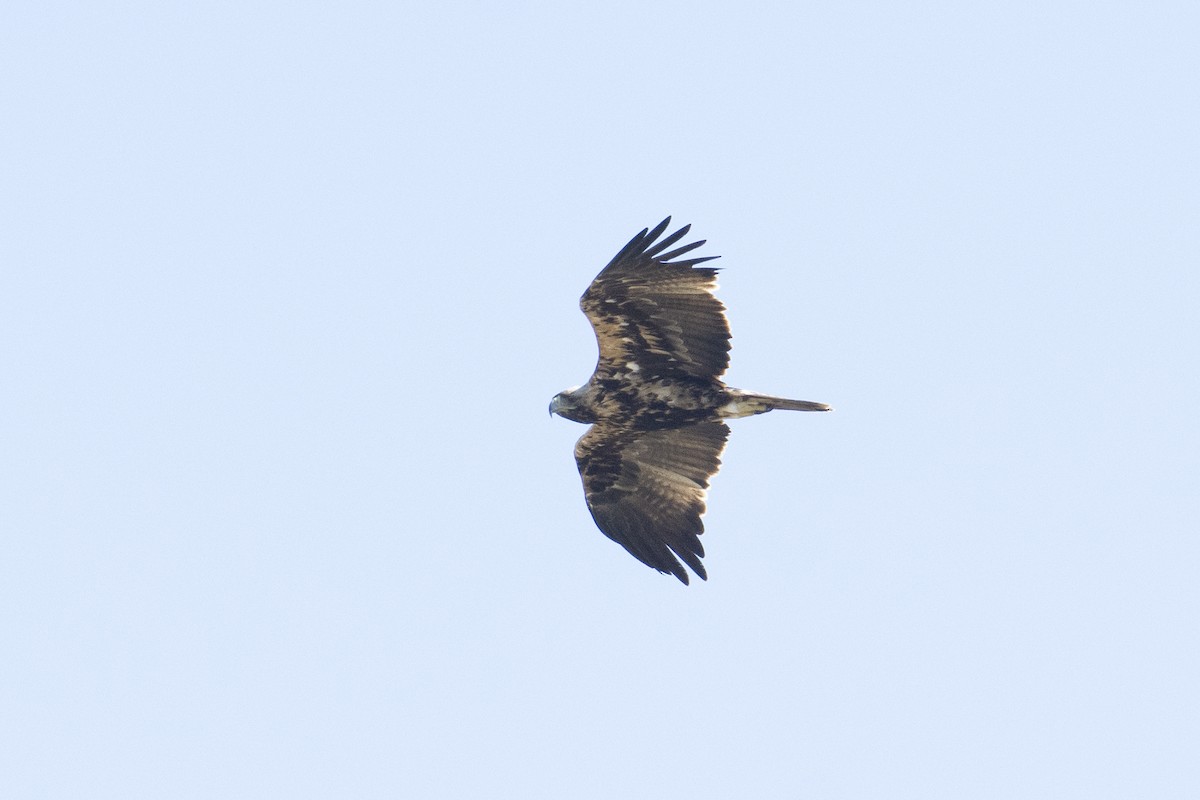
[(658, 314), (646, 489)]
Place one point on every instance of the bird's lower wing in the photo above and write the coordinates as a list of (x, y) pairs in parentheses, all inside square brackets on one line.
[(646, 489)]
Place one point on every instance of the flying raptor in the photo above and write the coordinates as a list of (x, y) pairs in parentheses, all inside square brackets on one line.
[(656, 401)]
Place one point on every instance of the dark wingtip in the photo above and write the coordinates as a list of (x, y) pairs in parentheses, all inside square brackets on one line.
[(658, 230), (654, 252), (645, 245), (679, 571)]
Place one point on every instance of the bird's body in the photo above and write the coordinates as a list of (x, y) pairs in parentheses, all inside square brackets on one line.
[(649, 403), (667, 402), (656, 401)]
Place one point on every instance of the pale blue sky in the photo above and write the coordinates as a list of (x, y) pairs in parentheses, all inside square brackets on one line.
[(285, 290)]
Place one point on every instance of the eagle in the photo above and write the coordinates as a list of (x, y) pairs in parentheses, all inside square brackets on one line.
[(656, 403)]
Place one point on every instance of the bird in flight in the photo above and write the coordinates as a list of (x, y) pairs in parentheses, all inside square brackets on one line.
[(656, 402)]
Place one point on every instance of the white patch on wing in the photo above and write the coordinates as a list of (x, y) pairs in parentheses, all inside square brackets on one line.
[(632, 367)]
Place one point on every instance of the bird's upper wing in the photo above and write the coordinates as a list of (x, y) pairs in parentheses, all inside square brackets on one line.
[(646, 489), (656, 313)]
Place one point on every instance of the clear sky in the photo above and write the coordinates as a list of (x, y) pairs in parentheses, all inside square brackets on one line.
[(285, 290)]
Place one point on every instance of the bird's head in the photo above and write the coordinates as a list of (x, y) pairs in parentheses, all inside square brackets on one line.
[(566, 404)]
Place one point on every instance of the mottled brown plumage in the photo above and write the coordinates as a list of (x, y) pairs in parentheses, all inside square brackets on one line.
[(656, 400), (646, 488)]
